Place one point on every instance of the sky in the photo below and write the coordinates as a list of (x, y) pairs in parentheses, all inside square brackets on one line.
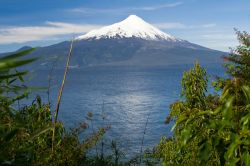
[(209, 23)]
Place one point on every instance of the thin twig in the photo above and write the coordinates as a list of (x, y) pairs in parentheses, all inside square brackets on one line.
[(61, 91), (142, 142), (102, 142), (50, 78), (18, 103), (93, 130)]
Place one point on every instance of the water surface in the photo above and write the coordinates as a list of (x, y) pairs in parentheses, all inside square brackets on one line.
[(130, 99)]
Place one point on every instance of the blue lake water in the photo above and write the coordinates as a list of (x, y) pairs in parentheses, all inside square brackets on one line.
[(127, 97)]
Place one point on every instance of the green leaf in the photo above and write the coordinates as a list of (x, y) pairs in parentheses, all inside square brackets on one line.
[(17, 55), (233, 162), (227, 108), (17, 74), (205, 151), (14, 63), (235, 141), (20, 77), (19, 97), (186, 134), (246, 91), (11, 134), (246, 158), (39, 132), (13, 80)]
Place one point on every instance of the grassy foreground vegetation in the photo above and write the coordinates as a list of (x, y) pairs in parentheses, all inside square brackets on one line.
[(209, 129), (27, 133)]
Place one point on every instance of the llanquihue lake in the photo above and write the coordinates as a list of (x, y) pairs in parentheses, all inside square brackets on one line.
[(129, 99)]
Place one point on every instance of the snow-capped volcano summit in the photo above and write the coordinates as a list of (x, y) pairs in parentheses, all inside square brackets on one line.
[(132, 26)]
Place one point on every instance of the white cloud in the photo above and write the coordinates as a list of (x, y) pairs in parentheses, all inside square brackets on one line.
[(211, 25), (48, 31), (157, 7), (177, 25), (53, 30), (220, 44), (170, 25), (119, 10), (220, 36)]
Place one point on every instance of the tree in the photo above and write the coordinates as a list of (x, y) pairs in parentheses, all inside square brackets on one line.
[(211, 129)]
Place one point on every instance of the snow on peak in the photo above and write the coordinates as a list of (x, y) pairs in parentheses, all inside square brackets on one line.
[(132, 26)]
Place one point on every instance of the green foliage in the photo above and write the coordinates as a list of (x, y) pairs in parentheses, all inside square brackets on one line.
[(239, 58), (212, 129), (184, 147), (26, 132), (11, 79), (194, 86)]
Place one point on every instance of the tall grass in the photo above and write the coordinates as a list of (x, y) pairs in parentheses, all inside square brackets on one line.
[(61, 92)]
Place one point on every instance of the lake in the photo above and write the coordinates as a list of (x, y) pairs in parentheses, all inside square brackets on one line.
[(130, 99)]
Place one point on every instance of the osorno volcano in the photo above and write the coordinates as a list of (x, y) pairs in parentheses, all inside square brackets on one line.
[(131, 42)]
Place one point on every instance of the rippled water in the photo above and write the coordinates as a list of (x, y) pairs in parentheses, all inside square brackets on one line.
[(127, 97)]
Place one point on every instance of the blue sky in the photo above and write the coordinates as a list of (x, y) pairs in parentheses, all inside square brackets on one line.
[(43, 22)]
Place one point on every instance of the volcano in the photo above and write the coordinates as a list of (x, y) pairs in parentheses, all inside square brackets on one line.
[(131, 42)]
